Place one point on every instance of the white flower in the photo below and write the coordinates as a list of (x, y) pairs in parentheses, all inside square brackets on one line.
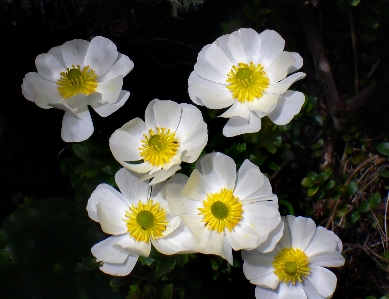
[(247, 71), (226, 210), (136, 217), (171, 133), (77, 74), (294, 269)]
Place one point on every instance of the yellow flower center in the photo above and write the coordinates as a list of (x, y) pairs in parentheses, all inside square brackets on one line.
[(159, 147), (146, 221), (221, 210), (291, 265), (247, 82), (75, 81)]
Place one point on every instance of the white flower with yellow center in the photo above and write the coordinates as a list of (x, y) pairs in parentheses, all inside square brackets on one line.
[(247, 71), (224, 209), (295, 268), (170, 134), (137, 217), (77, 74)]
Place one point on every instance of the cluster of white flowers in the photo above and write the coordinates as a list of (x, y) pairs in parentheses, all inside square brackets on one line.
[(218, 208)]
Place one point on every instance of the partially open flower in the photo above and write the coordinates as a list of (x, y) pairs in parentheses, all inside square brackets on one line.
[(170, 134), (77, 74), (247, 71), (295, 268), (137, 217), (224, 209)]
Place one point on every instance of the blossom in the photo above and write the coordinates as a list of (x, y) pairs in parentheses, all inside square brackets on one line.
[(171, 133), (295, 268), (224, 209), (247, 72), (77, 74), (137, 217)]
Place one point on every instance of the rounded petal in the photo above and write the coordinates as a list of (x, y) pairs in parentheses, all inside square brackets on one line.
[(242, 239), (237, 109), (288, 105), (197, 187), (110, 90), (76, 129), (298, 63), (124, 146), (192, 153), (261, 293), (290, 291), (222, 43), (101, 55), (107, 109), (213, 64), (57, 53), (282, 86), (302, 230), (272, 239), (238, 125), (161, 175), (327, 259), (121, 67), (111, 217), (49, 67), (310, 290), (272, 45), (73, 52), (322, 241), (210, 94), (264, 105), (120, 269), (245, 45), (131, 187), (167, 114), (106, 251), (278, 70), (323, 280), (249, 180), (134, 247)]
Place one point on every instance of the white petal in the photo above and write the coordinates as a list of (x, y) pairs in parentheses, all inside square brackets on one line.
[(49, 67), (124, 146), (245, 45), (27, 90), (237, 109), (282, 86), (302, 230), (218, 169), (149, 115), (213, 64), (197, 187), (322, 241), (197, 228), (286, 241), (249, 180), (191, 154), (139, 168), (237, 125), (162, 175), (129, 184), (107, 109), (255, 216), (134, 247), (310, 290), (105, 251), (264, 105), (262, 293), (73, 52), (167, 114), (101, 55), (191, 124), (110, 90), (56, 52), (278, 70), (288, 105), (103, 193), (76, 129), (111, 217), (272, 239), (290, 291), (222, 43), (120, 269), (327, 259), (297, 64), (323, 280), (122, 67), (210, 94), (272, 45), (241, 239)]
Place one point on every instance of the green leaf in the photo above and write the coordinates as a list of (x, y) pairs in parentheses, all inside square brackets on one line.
[(374, 200), (354, 2), (264, 11), (355, 216), (385, 296), (312, 191), (385, 174), (274, 166), (383, 148), (363, 206), (167, 292), (330, 185), (134, 293), (308, 182), (352, 187), (271, 148), (323, 176), (371, 297)]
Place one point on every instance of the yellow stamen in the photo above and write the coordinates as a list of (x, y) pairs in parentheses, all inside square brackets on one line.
[(146, 221), (221, 210), (159, 147), (75, 81), (291, 265), (247, 82)]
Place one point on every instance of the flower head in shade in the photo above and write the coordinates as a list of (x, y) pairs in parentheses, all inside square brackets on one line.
[(77, 74), (170, 134), (136, 217), (295, 268), (224, 209), (247, 72)]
